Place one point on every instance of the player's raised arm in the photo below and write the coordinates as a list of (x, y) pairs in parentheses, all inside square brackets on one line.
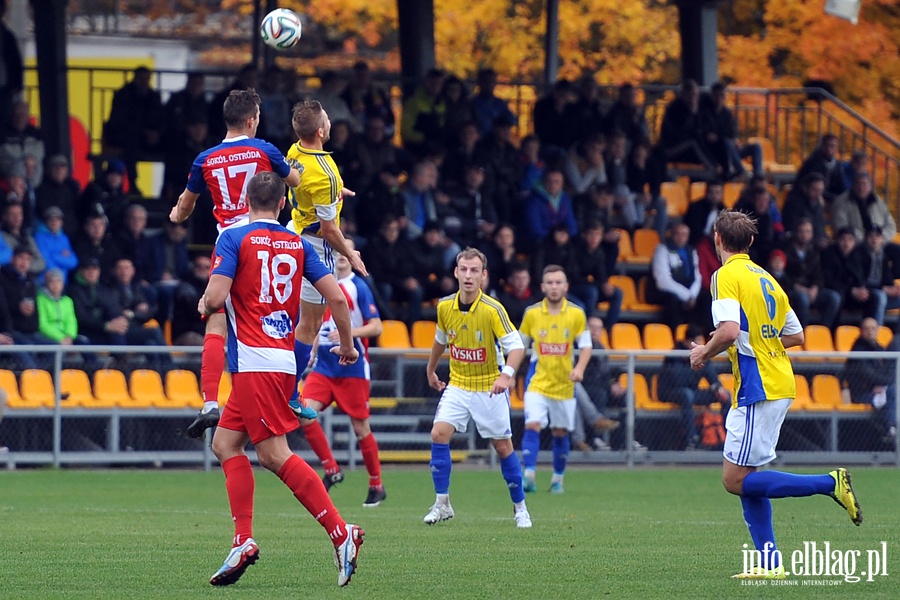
[(293, 178)]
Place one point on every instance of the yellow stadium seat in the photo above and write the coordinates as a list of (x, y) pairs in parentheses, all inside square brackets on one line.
[(626, 250), (844, 336), (629, 292), (770, 164), (885, 334), (423, 334), (680, 332), (658, 336), (11, 386), (697, 190), (182, 389), (111, 389), (826, 392), (817, 338), (147, 389), (676, 198), (625, 336), (394, 334), (224, 388), (37, 388), (76, 385), (645, 243), (803, 400), (732, 192)]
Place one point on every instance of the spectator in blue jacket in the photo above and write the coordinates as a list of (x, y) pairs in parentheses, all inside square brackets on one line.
[(547, 206), (54, 244)]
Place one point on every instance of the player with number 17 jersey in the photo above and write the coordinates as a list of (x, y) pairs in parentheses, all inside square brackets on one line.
[(267, 264), (227, 168)]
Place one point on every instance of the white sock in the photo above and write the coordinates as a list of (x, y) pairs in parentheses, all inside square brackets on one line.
[(208, 406), (529, 473), (557, 478), (443, 499), (520, 506)]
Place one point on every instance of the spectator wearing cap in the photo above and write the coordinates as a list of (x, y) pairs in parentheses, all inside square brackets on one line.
[(13, 233), (59, 189), (106, 195), (135, 244), (423, 114), (56, 311), (53, 243), (502, 168), (96, 243), (20, 288)]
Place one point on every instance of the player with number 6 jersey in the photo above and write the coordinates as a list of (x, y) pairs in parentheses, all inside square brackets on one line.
[(226, 170)]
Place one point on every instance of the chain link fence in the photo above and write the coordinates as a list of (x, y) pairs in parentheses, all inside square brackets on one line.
[(114, 405)]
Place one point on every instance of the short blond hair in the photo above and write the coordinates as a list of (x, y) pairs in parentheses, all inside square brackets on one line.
[(469, 253), (307, 118)]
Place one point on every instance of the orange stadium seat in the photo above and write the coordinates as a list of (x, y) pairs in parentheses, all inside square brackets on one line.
[(680, 332), (147, 389), (658, 336), (642, 304), (650, 401), (395, 334), (625, 336), (423, 334), (645, 243), (817, 338), (629, 292), (11, 386), (626, 250), (225, 387), (844, 336), (676, 198), (76, 385), (111, 389), (826, 392), (770, 164), (182, 389), (37, 388), (697, 190), (885, 335), (803, 400), (732, 193)]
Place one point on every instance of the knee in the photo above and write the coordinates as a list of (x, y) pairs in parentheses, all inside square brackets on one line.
[(503, 447), (733, 483), (361, 428), (440, 436)]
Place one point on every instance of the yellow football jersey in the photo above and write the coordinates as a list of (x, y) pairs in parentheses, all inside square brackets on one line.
[(744, 292), (554, 337), (320, 188), (472, 336)]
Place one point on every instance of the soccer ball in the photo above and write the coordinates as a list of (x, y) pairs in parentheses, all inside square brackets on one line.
[(280, 29)]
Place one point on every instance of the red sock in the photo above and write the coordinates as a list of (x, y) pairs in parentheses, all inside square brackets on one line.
[(369, 448), (212, 364), (239, 484), (315, 435), (310, 491)]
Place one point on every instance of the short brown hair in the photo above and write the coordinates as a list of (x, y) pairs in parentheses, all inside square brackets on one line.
[(554, 269), (468, 253), (306, 118), (265, 191), (239, 106), (736, 230)]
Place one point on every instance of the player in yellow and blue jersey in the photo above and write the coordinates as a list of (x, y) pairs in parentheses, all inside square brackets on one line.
[(755, 323), (316, 216), (556, 327), (477, 329)]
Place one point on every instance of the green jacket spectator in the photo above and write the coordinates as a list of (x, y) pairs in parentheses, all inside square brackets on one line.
[(56, 311)]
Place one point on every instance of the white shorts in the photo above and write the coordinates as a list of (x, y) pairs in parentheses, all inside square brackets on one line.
[(239, 222), (308, 292), (559, 414), (751, 432), (490, 412)]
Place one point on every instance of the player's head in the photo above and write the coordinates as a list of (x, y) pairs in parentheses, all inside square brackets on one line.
[(734, 232), (554, 283), (265, 192), (241, 111), (471, 270), (311, 122), (343, 263)]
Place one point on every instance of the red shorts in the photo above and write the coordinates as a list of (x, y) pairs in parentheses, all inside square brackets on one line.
[(351, 394), (258, 405)]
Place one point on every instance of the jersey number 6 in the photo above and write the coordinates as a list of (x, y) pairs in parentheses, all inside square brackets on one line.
[(272, 276), (767, 288)]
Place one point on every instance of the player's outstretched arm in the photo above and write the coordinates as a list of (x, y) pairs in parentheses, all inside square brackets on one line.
[(213, 299), (437, 351), (333, 235), (184, 207), (340, 311), (293, 178)]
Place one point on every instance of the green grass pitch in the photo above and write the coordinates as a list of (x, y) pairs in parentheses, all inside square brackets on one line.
[(660, 533)]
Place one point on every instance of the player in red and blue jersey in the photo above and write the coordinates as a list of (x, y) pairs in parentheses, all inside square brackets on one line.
[(256, 277), (346, 385), (226, 170)]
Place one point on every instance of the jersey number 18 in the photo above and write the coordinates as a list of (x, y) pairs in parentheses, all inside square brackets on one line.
[(271, 277)]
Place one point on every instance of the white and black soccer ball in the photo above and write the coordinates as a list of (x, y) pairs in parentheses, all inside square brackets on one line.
[(280, 29)]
